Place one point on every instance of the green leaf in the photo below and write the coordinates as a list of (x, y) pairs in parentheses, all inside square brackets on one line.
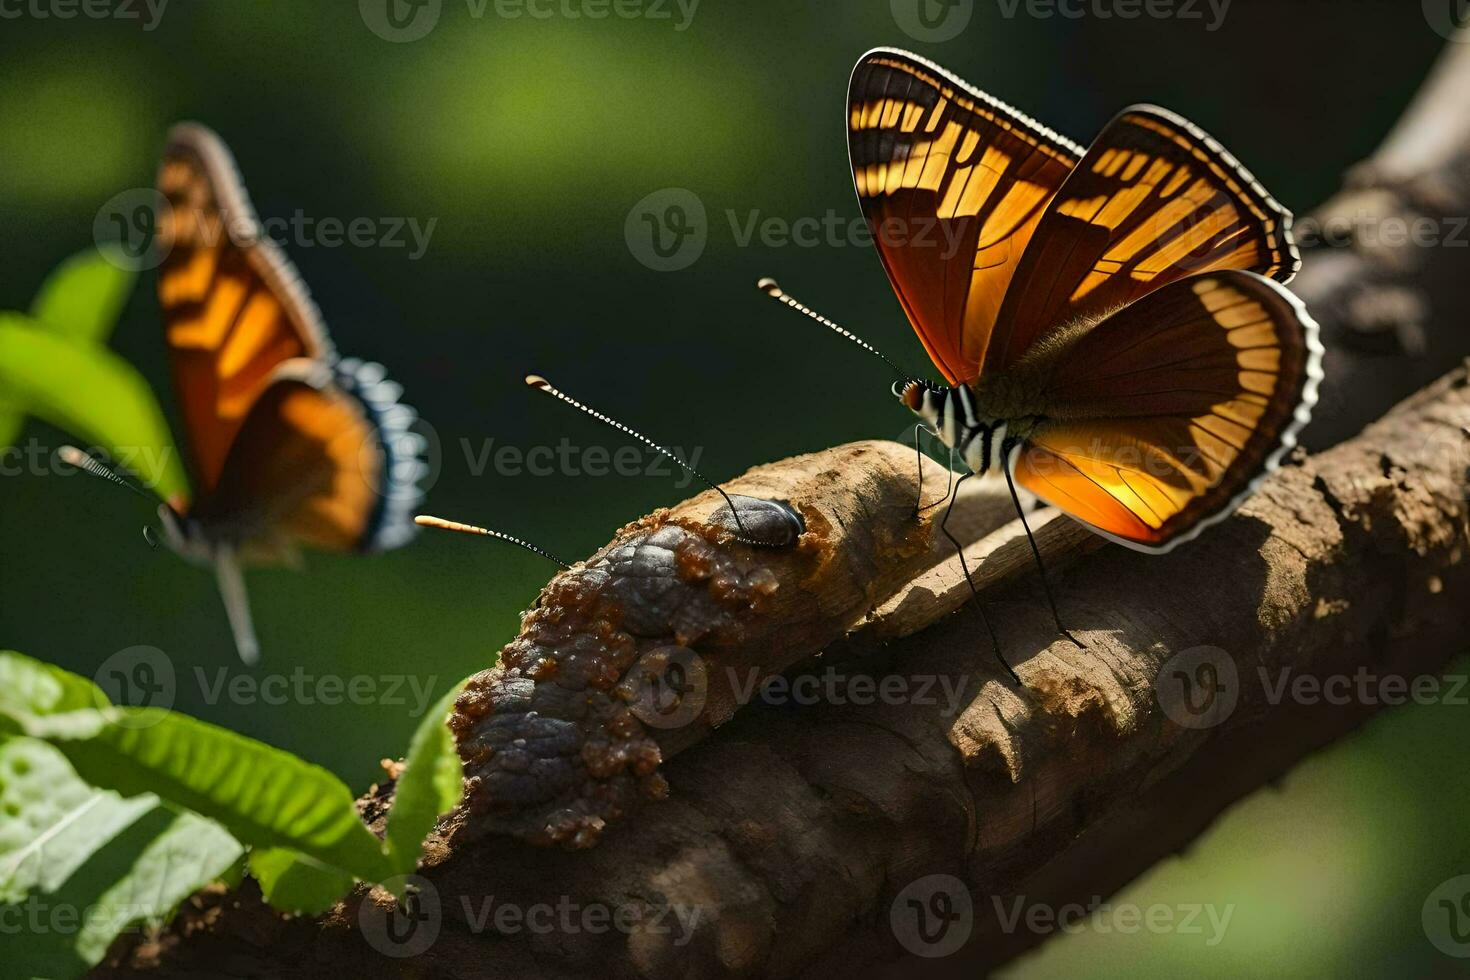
[(79, 865), (93, 394), (83, 297), (431, 783), (293, 882), (262, 795), (30, 686), (184, 852), (12, 424), (53, 821)]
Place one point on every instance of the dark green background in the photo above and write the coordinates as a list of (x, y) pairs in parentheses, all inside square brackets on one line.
[(529, 141)]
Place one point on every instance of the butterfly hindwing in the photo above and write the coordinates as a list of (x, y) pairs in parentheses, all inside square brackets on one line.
[(1154, 200), (1164, 416), (324, 457), (952, 184), (234, 307)]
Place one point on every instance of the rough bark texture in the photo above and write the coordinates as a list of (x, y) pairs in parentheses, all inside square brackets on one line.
[(797, 837)]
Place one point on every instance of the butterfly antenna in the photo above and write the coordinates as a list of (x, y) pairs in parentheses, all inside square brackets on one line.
[(773, 289), (88, 463), (541, 384), (427, 520)]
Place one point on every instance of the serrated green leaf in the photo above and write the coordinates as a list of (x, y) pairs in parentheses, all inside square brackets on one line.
[(431, 783), (293, 882), (83, 297), (91, 393), (262, 795)]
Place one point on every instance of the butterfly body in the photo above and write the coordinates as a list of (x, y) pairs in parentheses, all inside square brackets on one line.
[(289, 444), (1112, 321)]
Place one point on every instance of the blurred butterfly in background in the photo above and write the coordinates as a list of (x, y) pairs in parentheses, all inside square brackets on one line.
[(288, 444), (1112, 322)]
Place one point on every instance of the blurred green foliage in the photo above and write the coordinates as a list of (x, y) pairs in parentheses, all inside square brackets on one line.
[(527, 142)]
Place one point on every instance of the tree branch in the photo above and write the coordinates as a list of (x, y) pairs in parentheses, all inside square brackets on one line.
[(790, 837)]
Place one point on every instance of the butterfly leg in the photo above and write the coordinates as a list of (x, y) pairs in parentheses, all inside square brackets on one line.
[(237, 604), (919, 505), (1005, 457), (944, 526)]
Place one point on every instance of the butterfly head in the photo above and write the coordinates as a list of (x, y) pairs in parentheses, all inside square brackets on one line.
[(923, 398), (184, 536)]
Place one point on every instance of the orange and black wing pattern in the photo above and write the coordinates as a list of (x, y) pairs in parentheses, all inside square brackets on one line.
[(1154, 200), (1161, 419), (325, 458), (234, 308), (952, 184)]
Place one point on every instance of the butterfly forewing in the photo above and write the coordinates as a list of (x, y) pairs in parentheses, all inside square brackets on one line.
[(952, 184), (234, 308), (1153, 201), (1163, 417)]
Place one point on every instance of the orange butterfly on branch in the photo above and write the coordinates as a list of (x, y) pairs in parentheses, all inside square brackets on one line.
[(288, 444), (1112, 322)]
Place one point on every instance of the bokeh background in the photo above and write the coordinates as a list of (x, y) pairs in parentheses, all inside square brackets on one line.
[(528, 142)]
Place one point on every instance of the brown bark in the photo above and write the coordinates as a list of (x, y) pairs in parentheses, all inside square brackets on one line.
[(795, 833)]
